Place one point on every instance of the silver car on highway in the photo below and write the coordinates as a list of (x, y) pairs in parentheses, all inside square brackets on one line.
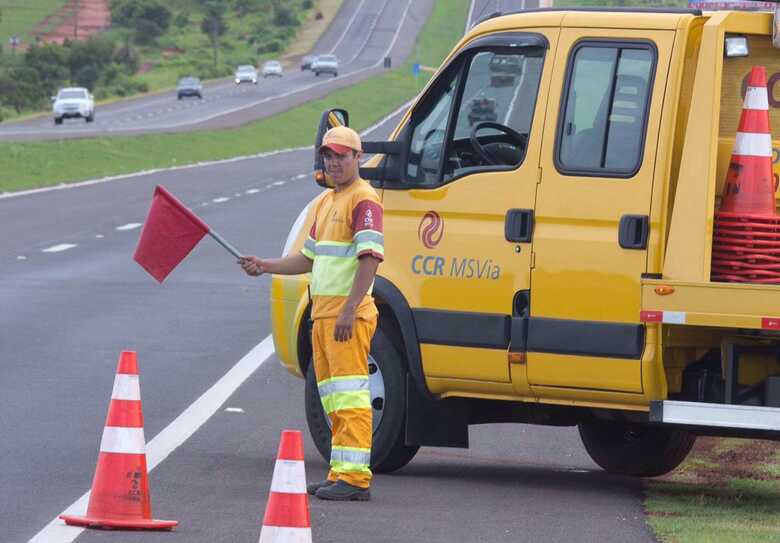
[(73, 102), (246, 73), (325, 64), (272, 68)]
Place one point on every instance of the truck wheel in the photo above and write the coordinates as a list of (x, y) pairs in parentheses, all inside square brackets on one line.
[(57, 120), (388, 399), (635, 449)]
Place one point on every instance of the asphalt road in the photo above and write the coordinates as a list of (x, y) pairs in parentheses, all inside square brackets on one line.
[(71, 300), (363, 33)]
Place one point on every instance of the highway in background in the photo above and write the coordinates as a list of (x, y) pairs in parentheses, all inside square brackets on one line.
[(362, 34), (72, 299)]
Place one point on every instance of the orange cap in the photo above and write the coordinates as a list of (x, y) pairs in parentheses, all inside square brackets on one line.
[(341, 140)]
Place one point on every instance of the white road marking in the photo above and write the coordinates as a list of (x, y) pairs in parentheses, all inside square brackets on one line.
[(59, 248), (252, 191), (234, 410), (172, 436), (21, 257), (129, 226), (99, 236), (301, 176), (277, 183), (220, 199), (237, 195), (346, 28)]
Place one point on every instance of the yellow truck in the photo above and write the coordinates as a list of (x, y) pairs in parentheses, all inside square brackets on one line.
[(552, 266)]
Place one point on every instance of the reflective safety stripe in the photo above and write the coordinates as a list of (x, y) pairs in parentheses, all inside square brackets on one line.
[(756, 98), (126, 387), (123, 440), (289, 477), (342, 384), (274, 534), (351, 456), (332, 275), (750, 144), (347, 400), (334, 248), (365, 236), (309, 248)]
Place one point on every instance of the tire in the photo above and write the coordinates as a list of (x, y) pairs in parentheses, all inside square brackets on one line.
[(635, 449), (317, 74), (57, 121), (90, 118), (388, 392)]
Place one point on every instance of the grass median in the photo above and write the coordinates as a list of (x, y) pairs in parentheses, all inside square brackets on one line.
[(41, 164), (728, 490)]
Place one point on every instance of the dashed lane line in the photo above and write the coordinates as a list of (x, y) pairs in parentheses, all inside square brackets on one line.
[(59, 248)]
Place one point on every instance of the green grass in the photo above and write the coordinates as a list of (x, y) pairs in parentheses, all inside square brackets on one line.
[(39, 164), (741, 511), (20, 17), (727, 490)]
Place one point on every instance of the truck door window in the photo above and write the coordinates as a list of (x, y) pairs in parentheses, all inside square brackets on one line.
[(500, 88), (427, 142), (496, 109), (605, 109)]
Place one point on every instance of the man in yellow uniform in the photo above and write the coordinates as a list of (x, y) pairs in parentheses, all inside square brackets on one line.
[(343, 250)]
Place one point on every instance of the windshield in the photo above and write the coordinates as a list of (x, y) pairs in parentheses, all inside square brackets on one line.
[(72, 94), (246, 69), (189, 81)]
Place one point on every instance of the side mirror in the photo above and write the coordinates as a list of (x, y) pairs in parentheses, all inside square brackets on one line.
[(329, 119), (53, 98)]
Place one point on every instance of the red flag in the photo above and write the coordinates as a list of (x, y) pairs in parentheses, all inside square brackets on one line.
[(170, 232)]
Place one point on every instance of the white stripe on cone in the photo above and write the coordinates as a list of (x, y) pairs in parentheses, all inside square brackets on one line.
[(289, 477), (123, 440), (756, 98), (752, 144), (283, 534), (126, 387)]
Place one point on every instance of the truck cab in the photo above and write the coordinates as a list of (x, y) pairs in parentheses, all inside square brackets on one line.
[(524, 252)]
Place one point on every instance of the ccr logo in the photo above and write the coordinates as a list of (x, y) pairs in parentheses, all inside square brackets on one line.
[(431, 229)]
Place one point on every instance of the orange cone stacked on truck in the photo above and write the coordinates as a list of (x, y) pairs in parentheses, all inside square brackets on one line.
[(746, 244), (120, 490)]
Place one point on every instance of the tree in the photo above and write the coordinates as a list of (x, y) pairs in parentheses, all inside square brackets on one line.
[(214, 26), (50, 62)]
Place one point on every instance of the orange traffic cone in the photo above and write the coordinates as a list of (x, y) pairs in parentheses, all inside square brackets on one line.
[(120, 490), (750, 184), (287, 517)]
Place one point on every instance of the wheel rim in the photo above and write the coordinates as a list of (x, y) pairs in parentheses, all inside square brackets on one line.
[(376, 385)]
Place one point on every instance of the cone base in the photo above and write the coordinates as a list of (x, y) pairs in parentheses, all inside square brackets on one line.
[(119, 524)]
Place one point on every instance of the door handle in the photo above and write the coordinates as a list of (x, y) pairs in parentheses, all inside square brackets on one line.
[(519, 225), (634, 231)]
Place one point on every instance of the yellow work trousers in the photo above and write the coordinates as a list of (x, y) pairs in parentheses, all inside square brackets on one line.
[(341, 368)]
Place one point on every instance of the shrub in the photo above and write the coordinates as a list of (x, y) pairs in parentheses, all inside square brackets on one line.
[(146, 31), (181, 20), (307, 4), (284, 16), (87, 76)]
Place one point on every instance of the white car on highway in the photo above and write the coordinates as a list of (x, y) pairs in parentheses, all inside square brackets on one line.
[(73, 102), (246, 73), (272, 67)]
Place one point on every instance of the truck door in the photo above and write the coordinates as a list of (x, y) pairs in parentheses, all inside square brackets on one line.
[(592, 208), (459, 223)]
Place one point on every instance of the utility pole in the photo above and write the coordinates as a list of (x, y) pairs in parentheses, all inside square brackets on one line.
[(76, 20)]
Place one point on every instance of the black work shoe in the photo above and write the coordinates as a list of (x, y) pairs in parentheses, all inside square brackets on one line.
[(312, 488), (345, 492)]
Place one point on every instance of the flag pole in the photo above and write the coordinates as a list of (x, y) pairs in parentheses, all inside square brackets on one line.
[(222, 241)]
